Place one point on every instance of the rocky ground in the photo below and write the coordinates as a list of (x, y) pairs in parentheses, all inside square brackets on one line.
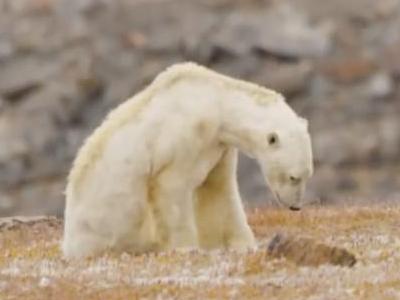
[(31, 266), (65, 63)]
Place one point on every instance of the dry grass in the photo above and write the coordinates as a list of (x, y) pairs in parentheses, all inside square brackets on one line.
[(31, 266)]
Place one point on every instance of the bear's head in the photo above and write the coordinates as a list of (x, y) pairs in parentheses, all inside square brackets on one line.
[(285, 155)]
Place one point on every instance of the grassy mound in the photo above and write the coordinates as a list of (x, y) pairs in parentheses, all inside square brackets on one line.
[(31, 266)]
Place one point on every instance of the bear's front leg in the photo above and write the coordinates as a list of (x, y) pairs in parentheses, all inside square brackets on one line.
[(221, 219), (174, 215)]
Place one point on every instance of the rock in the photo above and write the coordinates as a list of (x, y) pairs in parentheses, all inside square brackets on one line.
[(386, 8), (6, 49), (2, 104), (391, 55), (32, 131), (22, 149), (358, 143), (388, 137), (251, 182), (47, 33), (296, 36), (308, 252), (29, 6), (6, 204), (240, 67), (320, 87), (62, 100), (135, 39), (238, 34), (280, 30), (321, 187), (9, 223), (20, 78), (359, 11), (27, 200), (287, 78), (74, 7), (187, 33), (380, 85), (348, 69)]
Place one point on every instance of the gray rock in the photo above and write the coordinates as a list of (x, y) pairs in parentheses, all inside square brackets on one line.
[(380, 85), (391, 54), (21, 148), (389, 137), (2, 104), (296, 36), (362, 11), (31, 132), (287, 78), (6, 203), (23, 76), (6, 49), (281, 30), (28, 199), (252, 185)]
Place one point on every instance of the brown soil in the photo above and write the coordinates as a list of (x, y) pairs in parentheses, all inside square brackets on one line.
[(31, 266)]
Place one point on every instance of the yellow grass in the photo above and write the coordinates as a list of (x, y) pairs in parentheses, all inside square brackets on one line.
[(31, 266)]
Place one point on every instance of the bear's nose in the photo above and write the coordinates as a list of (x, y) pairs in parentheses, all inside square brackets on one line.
[(294, 208), (294, 179)]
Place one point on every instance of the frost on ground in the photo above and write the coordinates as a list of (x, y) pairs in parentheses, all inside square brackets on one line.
[(31, 266)]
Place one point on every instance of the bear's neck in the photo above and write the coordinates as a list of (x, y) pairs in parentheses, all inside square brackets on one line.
[(244, 121)]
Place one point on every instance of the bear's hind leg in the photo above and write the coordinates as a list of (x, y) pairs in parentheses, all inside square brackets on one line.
[(83, 244), (110, 220)]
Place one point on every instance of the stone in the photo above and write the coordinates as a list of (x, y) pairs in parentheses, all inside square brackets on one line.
[(358, 143), (348, 69), (24, 139), (31, 131), (390, 55), (296, 36), (287, 78), (135, 39), (12, 222), (186, 32), (20, 78), (251, 182), (6, 49), (6, 203), (258, 30), (308, 252), (380, 85), (360, 11), (2, 104), (388, 137)]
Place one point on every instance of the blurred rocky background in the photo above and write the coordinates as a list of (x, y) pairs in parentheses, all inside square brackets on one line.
[(65, 63)]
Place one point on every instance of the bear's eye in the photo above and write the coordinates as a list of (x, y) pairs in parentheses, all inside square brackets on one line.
[(272, 139)]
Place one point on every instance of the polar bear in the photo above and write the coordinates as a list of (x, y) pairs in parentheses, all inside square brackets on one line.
[(160, 172)]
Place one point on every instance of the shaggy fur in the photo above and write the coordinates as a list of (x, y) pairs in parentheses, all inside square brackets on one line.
[(126, 112), (160, 172)]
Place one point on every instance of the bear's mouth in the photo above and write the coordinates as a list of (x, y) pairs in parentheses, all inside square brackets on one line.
[(294, 208), (279, 201)]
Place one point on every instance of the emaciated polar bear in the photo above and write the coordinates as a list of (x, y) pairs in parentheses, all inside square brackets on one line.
[(160, 172)]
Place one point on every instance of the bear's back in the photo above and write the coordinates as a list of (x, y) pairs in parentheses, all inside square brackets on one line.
[(94, 145)]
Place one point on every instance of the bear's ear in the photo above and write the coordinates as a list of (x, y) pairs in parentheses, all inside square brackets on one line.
[(304, 121)]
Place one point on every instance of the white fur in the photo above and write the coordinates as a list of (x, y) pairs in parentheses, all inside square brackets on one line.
[(160, 172)]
